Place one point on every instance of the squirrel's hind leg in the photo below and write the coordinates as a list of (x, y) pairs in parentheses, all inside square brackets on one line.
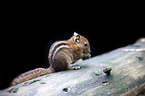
[(73, 68)]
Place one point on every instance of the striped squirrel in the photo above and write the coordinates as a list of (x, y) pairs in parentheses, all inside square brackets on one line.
[(61, 55)]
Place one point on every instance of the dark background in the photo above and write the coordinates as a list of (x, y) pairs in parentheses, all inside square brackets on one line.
[(27, 34)]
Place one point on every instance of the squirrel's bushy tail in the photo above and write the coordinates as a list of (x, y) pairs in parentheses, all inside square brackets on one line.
[(30, 75)]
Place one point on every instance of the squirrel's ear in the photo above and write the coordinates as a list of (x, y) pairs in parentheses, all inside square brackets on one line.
[(75, 34), (77, 37)]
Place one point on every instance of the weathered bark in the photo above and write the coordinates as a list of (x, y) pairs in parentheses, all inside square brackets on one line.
[(125, 75)]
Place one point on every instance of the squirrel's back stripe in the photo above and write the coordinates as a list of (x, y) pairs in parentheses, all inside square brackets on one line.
[(55, 47), (58, 49)]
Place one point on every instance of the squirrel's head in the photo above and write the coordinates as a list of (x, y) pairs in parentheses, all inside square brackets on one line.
[(83, 44)]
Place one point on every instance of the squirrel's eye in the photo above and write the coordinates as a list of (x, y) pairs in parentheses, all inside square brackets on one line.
[(85, 44)]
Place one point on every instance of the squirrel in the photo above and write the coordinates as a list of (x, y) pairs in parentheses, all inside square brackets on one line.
[(61, 55)]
